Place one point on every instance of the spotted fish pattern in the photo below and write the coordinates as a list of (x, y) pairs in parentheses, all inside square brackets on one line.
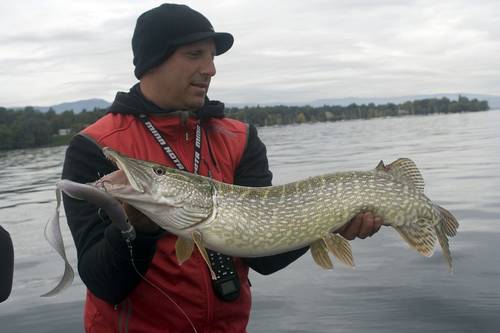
[(253, 222)]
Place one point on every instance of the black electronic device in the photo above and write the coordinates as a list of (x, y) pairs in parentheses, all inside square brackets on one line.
[(226, 283)]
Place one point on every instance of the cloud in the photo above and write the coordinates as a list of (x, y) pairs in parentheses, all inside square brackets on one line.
[(284, 51)]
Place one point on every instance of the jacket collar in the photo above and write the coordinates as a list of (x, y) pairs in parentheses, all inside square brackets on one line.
[(135, 103)]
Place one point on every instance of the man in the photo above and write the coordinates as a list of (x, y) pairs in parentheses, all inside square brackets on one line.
[(167, 118)]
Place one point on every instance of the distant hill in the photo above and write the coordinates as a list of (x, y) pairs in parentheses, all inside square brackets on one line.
[(77, 106)]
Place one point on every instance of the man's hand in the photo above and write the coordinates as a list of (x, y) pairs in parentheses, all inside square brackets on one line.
[(362, 225), (140, 221)]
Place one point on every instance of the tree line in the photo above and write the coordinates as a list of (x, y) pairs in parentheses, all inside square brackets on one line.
[(284, 115), (28, 127)]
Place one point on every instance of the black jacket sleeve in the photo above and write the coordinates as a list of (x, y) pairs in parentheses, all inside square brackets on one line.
[(104, 261), (254, 171), (6, 264)]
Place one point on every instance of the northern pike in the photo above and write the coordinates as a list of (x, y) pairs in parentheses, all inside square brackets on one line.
[(261, 221)]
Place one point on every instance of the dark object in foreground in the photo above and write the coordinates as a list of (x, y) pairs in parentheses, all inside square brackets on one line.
[(6, 264)]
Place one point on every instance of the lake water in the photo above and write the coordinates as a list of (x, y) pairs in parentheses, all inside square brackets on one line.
[(392, 289)]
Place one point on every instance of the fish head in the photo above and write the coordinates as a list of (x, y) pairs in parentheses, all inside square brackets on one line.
[(143, 181)]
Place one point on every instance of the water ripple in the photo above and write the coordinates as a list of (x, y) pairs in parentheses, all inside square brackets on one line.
[(393, 289)]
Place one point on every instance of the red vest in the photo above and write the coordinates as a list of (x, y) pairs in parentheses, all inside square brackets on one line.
[(146, 309)]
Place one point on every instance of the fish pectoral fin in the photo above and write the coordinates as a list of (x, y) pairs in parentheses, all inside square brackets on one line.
[(404, 169), (340, 248), (319, 253), (198, 240), (183, 249), (420, 235), (182, 216)]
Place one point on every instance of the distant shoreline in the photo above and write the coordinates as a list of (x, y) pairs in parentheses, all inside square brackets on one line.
[(31, 128)]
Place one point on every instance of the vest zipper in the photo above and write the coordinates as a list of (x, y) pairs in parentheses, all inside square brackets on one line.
[(182, 139), (124, 315), (184, 116), (212, 157)]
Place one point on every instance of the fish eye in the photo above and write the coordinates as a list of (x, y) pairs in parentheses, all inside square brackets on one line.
[(159, 171)]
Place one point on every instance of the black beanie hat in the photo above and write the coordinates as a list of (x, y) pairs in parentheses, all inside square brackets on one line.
[(160, 30)]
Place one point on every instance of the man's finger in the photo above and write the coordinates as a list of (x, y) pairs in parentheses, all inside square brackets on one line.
[(377, 223), (367, 225), (352, 228)]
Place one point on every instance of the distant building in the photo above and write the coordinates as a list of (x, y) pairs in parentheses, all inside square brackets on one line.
[(64, 131)]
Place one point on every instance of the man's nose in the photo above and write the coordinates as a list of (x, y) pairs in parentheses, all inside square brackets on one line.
[(208, 67)]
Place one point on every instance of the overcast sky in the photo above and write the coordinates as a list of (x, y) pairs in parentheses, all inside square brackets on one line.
[(55, 51)]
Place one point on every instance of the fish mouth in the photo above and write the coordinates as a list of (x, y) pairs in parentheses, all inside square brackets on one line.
[(128, 173), (114, 182)]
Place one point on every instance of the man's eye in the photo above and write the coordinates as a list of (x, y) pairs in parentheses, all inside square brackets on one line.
[(193, 54)]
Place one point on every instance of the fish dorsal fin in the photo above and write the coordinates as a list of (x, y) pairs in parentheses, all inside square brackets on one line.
[(319, 252), (340, 248), (380, 166), (183, 249), (404, 169), (420, 235)]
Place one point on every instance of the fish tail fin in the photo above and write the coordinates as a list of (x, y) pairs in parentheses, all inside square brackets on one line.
[(421, 235), (448, 221), (447, 226), (443, 241)]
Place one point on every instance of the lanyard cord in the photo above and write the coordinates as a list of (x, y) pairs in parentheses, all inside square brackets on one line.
[(169, 152), (216, 258)]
